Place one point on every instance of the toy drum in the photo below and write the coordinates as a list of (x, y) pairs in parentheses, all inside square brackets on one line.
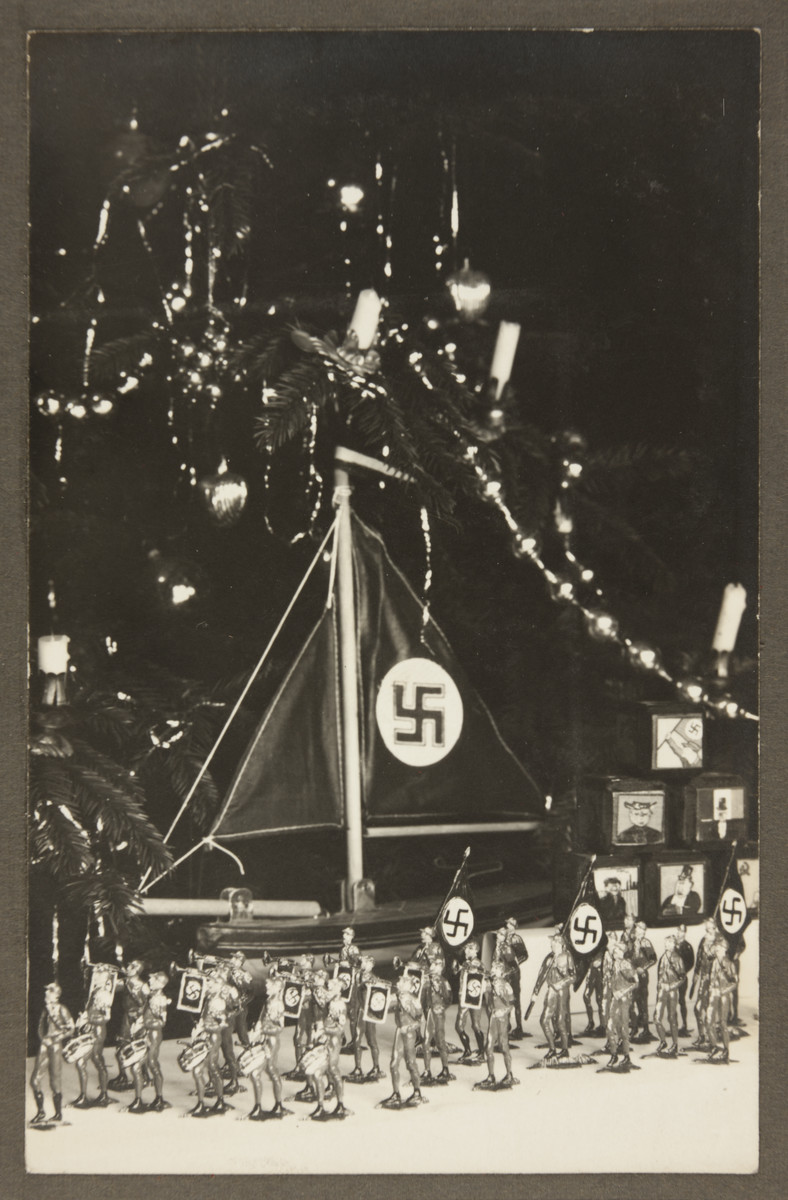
[(78, 1047), (193, 1054), (253, 1058), (133, 1052)]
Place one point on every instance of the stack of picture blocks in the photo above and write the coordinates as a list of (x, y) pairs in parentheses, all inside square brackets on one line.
[(662, 835)]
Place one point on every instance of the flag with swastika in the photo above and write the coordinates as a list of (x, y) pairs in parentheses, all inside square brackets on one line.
[(584, 931), (732, 915), (456, 919)]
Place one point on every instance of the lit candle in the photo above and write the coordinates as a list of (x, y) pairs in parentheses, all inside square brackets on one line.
[(53, 656), (734, 602), (503, 355), (364, 322)]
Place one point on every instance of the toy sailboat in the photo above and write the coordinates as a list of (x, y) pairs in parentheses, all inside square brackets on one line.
[(375, 730)]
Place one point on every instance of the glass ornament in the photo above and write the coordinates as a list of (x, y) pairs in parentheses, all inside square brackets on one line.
[(641, 655), (470, 290), (690, 689), (601, 625), (50, 403), (224, 494)]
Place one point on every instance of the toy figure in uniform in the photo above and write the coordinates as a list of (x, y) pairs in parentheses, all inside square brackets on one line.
[(701, 978), (687, 956), (334, 1025), (365, 1029), (321, 998), (348, 953), (94, 1022), (241, 980), (623, 982), (643, 957), (55, 1027), (557, 972), (437, 995), (212, 1022), (314, 1064), (266, 1033), (722, 982), (232, 1003), (154, 1018), (499, 1000), (408, 1018), (471, 962), (134, 993), (628, 934), (510, 949), (430, 950), (670, 972), (303, 1030), (593, 990)]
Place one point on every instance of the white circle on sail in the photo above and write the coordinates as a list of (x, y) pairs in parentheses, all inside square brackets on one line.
[(456, 921), (733, 910), (419, 712), (585, 928)]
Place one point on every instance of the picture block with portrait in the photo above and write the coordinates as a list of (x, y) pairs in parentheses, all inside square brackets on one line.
[(616, 811), (715, 808), (678, 889)]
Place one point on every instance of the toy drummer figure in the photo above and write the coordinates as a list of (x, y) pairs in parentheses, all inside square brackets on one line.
[(557, 972), (55, 1027), (670, 973), (510, 949), (722, 982), (643, 957), (134, 993), (334, 1025), (314, 1064), (594, 990), (365, 1029), (321, 999), (232, 1007), (154, 1018), (241, 980), (437, 995), (408, 1018), (701, 980), (623, 982), (499, 997), (687, 956), (471, 963), (93, 1021), (266, 1034), (213, 1020), (349, 955)]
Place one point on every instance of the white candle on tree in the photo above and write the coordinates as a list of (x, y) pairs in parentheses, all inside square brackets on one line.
[(734, 602), (503, 355), (53, 656), (364, 322)]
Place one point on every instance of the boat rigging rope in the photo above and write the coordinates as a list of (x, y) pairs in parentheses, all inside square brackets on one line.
[(209, 840)]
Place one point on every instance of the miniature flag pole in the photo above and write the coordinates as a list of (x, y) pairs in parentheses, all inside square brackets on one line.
[(734, 844)]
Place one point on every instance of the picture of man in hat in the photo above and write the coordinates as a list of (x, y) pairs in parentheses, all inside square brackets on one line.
[(612, 905), (639, 812), (684, 901)]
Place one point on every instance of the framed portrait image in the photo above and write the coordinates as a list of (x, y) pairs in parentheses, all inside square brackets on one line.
[(715, 808), (616, 810), (638, 818), (678, 890), (618, 888), (103, 981)]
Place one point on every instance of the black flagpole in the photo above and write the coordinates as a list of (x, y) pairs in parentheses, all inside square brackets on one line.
[(725, 877)]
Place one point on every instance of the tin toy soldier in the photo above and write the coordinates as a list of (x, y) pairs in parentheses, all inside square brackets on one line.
[(320, 1000), (722, 982), (334, 1025), (93, 1021), (471, 963), (349, 955), (430, 950), (213, 1020), (263, 1051), (687, 955), (55, 1026), (643, 957), (628, 934), (557, 972), (499, 999), (510, 948), (594, 991), (670, 973), (134, 991), (408, 1024), (154, 1018), (232, 1007), (314, 1064), (437, 995), (623, 982), (701, 979), (241, 980), (365, 1029), (304, 970)]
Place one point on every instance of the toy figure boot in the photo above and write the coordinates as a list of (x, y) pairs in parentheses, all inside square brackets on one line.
[(416, 1099), (340, 1111), (662, 1047), (256, 1114), (102, 1100), (57, 1100), (673, 1052), (613, 1060), (137, 1106), (445, 1076), (200, 1110), (392, 1101), (81, 1101), (279, 1110), (158, 1105), (40, 1116), (561, 1056), (625, 1064), (219, 1107), (486, 1085), (373, 1075), (480, 1043), (466, 1048)]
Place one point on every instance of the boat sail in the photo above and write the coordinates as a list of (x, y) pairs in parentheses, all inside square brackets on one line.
[(376, 729)]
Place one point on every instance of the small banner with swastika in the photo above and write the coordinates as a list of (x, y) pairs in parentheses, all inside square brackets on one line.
[(584, 931), (416, 977), (293, 999), (376, 1004), (456, 919), (732, 914), (344, 973), (472, 989), (192, 992)]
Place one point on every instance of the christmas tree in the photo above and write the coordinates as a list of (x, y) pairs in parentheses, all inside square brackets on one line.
[(206, 211)]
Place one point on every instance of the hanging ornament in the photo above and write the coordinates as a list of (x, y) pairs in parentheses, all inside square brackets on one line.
[(50, 403), (601, 626), (101, 405), (176, 581), (690, 689), (641, 655), (351, 197), (470, 290), (224, 494)]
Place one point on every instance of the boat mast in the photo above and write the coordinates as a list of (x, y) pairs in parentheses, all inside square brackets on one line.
[(359, 892)]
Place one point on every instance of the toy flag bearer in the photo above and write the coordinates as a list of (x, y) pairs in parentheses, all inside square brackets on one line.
[(670, 973), (500, 1003), (510, 949), (55, 1026), (408, 1017), (557, 971), (471, 974), (722, 983)]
